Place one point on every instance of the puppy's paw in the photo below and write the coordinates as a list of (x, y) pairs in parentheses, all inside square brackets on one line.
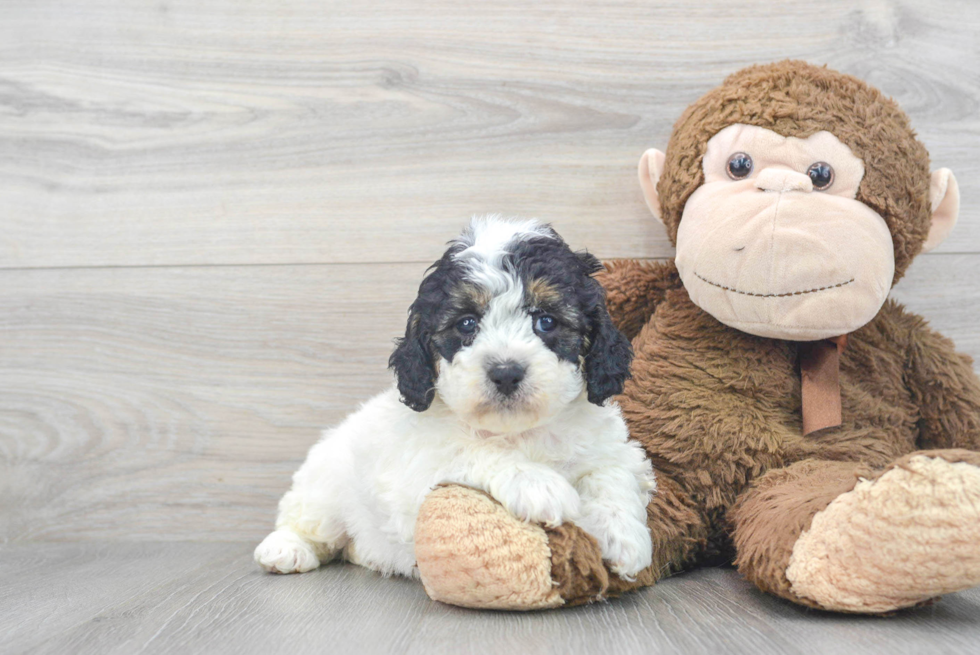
[(537, 498), (628, 554), (625, 542), (284, 551)]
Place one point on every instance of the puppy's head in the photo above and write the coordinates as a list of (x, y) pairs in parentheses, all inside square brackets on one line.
[(508, 328)]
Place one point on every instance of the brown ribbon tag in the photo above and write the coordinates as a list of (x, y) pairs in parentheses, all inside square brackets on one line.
[(820, 374)]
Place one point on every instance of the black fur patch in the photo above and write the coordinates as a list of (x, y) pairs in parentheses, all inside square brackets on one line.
[(557, 282), (413, 360), (585, 328)]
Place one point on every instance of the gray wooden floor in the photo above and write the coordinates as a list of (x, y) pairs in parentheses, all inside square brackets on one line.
[(207, 598), (214, 214)]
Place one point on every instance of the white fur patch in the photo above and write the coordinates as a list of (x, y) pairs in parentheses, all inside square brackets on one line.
[(487, 240)]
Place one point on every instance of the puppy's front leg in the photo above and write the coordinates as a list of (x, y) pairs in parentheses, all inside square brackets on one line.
[(537, 494), (530, 491), (615, 494)]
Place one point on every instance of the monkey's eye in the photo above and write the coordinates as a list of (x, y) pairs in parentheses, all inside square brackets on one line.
[(821, 174), (467, 324), (739, 165), (545, 323)]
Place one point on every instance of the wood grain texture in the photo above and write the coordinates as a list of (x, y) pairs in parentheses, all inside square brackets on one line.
[(179, 132), (210, 598), (213, 217), (159, 403), (174, 404)]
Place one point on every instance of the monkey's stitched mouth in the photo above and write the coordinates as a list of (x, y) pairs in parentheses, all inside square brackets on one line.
[(773, 295)]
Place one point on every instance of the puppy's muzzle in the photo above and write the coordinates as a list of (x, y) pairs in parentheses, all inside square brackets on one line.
[(506, 376)]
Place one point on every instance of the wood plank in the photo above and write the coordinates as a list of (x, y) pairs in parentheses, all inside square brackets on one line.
[(170, 403), (210, 598), (179, 132), (943, 289), (46, 590), (135, 401)]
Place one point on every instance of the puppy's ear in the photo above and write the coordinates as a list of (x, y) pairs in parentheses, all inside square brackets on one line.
[(607, 364), (590, 262), (414, 368)]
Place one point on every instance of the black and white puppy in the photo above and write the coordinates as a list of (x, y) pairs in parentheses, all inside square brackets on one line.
[(503, 377)]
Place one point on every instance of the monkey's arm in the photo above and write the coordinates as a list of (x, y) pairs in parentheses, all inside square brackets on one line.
[(474, 553), (634, 289), (946, 390)]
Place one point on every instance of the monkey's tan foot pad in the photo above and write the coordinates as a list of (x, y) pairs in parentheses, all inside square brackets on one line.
[(472, 552), (906, 537)]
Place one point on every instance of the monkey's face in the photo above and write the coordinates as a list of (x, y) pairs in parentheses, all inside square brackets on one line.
[(808, 201), (774, 242)]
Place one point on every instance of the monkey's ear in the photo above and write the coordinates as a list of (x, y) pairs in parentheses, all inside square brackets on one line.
[(414, 369), (607, 364), (651, 166), (944, 196)]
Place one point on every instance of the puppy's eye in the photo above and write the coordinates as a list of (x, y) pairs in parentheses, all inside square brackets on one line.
[(739, 166), (467, 324), (821, 174), (545, 323)]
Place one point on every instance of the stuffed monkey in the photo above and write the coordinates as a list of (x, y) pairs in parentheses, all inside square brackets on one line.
[(800, 423)]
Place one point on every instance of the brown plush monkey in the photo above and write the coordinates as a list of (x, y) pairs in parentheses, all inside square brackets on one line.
[(843, 477)]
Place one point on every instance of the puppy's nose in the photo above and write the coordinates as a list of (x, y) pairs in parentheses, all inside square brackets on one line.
[(506, 376)]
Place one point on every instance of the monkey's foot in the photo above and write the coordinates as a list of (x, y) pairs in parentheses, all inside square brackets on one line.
[(896, 541), (472, 552)]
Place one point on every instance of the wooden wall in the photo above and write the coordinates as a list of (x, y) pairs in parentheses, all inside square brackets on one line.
[(213, 215)]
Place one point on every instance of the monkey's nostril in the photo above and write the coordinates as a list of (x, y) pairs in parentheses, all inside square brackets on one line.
[(739, 249), (506, 377)]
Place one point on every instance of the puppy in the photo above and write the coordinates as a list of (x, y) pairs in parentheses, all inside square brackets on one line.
[(502, 377)]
